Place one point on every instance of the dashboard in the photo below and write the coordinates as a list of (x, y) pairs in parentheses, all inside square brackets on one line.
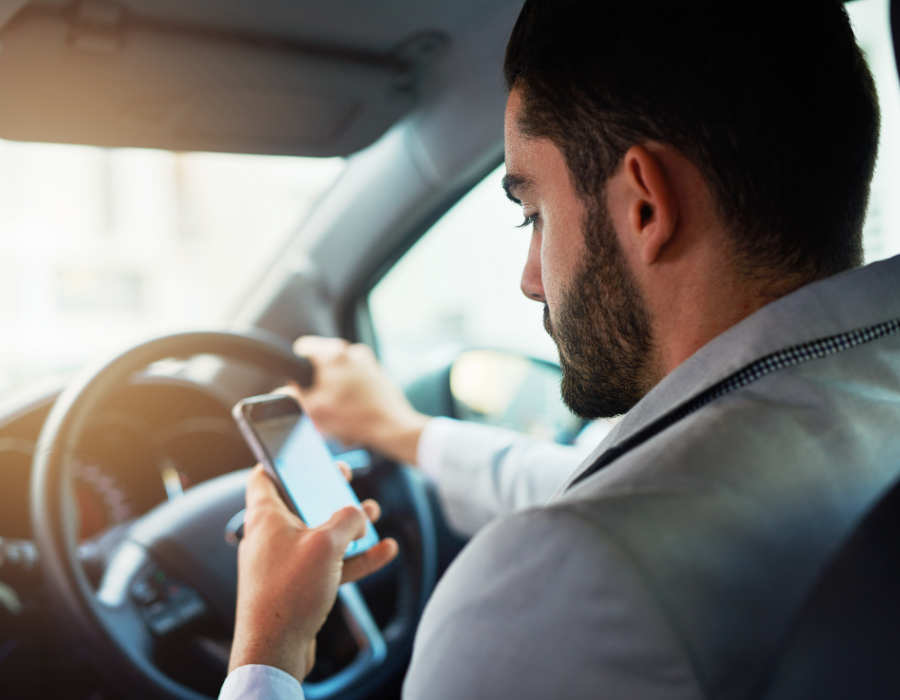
[(152, 442)]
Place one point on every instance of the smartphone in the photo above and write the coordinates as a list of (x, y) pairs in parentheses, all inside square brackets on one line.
[(295, 455)]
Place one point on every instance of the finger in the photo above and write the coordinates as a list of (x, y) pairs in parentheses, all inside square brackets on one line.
[(372, 510), (291, 389), (370, 561), (361, 351), (260, 489), (315, 347), (345, 468), (262, 492), (346, 525), (305, 343)]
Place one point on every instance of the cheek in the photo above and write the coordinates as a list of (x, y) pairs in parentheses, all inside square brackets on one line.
[(562, 249), (551, 269)]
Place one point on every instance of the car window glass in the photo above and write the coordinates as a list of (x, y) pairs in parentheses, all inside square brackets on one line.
[(101, 247), (458, 287), (871, 22)]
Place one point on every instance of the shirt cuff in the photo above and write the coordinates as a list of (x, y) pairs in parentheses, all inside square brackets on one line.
[(431, 448), (258, 682)]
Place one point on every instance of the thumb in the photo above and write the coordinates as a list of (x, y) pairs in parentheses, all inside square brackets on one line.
[(346, 525), (261, 490)]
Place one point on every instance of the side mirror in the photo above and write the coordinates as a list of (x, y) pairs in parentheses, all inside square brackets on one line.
[(511, 391)]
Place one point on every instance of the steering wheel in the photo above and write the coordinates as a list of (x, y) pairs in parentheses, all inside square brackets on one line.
[(174, 569)]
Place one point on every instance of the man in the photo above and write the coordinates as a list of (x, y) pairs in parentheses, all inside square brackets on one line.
[(697, 176), (481, 472)]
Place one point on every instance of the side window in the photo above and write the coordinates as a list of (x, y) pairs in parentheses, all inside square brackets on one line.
[(458, 288), (454, 299), (871, 23)]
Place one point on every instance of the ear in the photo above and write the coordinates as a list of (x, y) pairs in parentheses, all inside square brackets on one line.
[(652, 205)]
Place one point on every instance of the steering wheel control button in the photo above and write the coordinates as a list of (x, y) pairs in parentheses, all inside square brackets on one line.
[(144, 593), (20, 554), (163, 623), (191, 608), (165, 603)]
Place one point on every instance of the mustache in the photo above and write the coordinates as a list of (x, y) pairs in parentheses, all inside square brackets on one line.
[(548, 324)]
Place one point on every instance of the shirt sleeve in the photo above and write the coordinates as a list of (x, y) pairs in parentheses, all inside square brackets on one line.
[(483, 472), (257, 682), (544, 605)]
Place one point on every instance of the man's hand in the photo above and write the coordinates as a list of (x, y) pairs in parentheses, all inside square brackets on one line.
[(288, 576), (354, 400)]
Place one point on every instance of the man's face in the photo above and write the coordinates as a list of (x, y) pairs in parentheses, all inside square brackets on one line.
[(593, 307)]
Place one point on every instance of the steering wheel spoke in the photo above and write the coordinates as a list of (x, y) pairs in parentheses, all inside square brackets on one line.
[(115, 606), (141, 603)]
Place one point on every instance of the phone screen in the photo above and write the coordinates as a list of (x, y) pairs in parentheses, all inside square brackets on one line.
[(304, 465)]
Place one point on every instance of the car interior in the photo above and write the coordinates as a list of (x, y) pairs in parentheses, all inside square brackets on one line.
[(250, 173)]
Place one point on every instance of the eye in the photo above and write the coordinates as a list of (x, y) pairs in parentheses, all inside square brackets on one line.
[(529, 221)]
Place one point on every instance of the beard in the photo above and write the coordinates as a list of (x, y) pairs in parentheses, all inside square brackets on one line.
[(602, 330)]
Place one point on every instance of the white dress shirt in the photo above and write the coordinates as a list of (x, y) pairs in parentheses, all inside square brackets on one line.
[(258, 682), (482, 472)]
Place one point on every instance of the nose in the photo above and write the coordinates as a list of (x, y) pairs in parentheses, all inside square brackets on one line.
[(532, 287)]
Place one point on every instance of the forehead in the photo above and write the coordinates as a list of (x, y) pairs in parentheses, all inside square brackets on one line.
[(533, 165), (513, 138)]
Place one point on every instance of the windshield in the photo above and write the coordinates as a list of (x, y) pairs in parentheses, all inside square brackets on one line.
[(100, 247)]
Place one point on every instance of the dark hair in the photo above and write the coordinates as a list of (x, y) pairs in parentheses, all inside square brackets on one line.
[(773, 102)]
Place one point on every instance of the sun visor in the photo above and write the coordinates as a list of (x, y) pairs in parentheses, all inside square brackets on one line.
[(90, 74)]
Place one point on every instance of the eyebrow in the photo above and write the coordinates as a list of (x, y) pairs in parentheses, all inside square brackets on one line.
[(513, 184)]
